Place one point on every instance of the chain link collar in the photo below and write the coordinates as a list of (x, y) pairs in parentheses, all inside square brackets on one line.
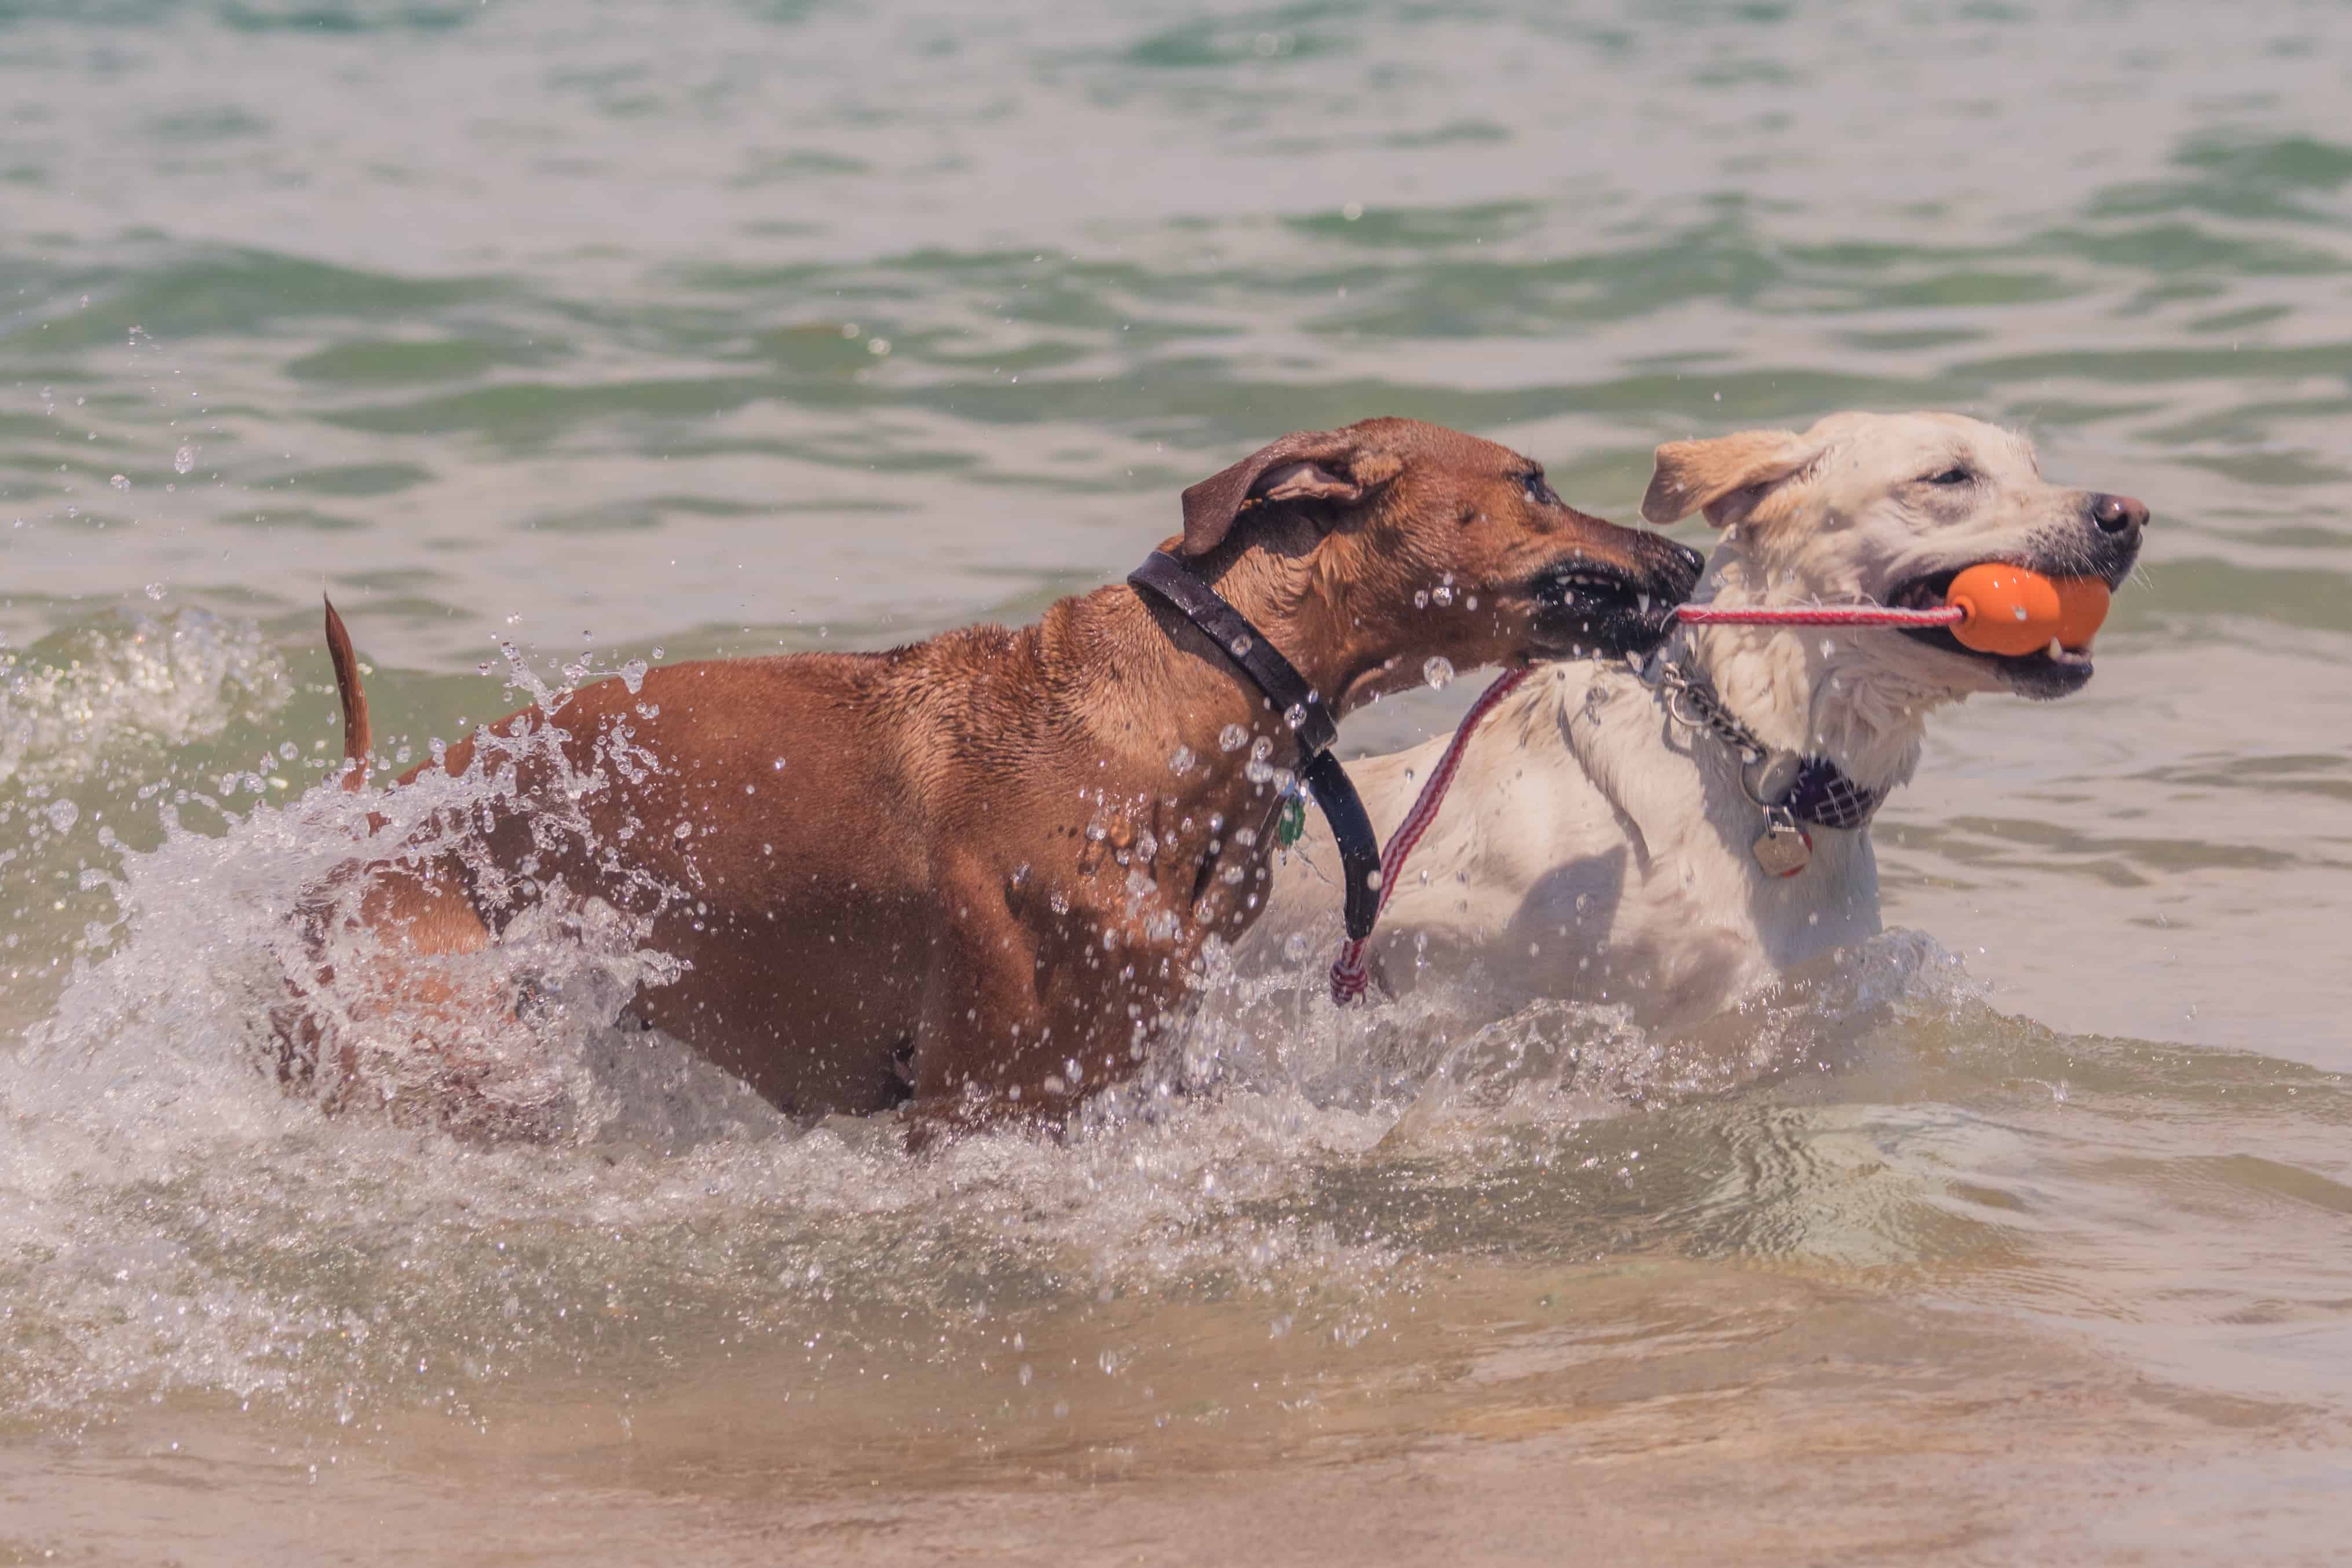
[(1783, 785)]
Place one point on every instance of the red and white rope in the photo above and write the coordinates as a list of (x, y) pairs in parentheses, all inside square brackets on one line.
[(1350, 978), (1819, 615)]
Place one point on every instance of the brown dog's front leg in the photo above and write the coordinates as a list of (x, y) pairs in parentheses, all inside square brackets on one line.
[(983, 1055)]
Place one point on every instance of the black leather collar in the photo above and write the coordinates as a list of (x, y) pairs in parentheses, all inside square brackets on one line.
[(1302, 708)]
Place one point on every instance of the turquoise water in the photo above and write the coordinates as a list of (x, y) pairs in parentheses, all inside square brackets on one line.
[(725, 327)]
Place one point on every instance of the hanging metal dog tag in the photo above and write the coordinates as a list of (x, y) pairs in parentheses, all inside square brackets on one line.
[(1783, 849)]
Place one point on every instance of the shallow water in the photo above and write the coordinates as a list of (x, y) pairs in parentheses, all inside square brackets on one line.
[(695, 327)]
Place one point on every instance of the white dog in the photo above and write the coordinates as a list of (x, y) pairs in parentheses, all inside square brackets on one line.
[(1673, 837)]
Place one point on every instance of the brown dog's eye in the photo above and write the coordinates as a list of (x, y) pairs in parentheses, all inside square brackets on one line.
[(1538, 492), (1950, 476)]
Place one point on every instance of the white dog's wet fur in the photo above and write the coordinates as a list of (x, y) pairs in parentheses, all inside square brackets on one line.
[(1594, 848)]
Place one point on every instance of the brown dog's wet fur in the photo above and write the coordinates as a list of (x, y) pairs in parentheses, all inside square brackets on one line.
[(988, 864)]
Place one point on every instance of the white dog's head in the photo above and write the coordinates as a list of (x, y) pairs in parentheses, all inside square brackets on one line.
[(1886, 509)]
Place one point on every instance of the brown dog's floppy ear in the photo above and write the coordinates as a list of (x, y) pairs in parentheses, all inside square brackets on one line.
[(1709, 475), (1306, 465)]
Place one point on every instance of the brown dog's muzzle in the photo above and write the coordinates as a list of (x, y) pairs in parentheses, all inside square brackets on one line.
[(1588, 605)]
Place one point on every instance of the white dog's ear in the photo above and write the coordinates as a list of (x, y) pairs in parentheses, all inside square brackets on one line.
[(1723, 477)]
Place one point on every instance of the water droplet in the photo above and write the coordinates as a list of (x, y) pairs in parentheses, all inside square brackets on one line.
[(1233, 737), (119, 482), (1442, 593), (1352, 211), (62, 814), (1421, 599), (657, 653), (1241, 645), (878, 346), (780, 765), (1181, 762), (1437, 671), (683, 830), (1295, 715), (185, 460), (156, 591), (633, 675)]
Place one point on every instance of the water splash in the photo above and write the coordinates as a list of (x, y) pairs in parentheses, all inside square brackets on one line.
[(136, 684), (182, 1219)]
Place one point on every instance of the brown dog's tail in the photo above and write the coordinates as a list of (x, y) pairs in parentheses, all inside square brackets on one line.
[(356, 734)]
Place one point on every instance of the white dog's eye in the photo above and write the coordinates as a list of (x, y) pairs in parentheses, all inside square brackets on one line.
[(1950, 476)]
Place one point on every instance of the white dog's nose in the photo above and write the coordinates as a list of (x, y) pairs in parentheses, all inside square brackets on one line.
[(2119, 514)]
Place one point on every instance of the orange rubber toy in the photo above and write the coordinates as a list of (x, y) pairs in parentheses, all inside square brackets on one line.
[(2010, 610)]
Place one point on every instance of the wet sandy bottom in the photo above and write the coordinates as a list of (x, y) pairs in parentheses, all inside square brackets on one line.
[(1680, 1413)]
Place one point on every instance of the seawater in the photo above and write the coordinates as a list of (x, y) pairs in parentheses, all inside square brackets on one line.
[(547, 337)]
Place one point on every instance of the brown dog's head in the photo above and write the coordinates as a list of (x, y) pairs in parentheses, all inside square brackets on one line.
[(1428, 543)]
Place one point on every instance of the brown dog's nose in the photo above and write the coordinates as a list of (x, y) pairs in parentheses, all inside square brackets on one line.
[(2119, 514)]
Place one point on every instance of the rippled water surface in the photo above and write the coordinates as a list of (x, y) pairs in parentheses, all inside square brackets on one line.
[(657, 330)]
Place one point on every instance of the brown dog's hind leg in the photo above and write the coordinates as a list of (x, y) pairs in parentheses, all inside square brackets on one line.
[(416, 1012), (407, 992)]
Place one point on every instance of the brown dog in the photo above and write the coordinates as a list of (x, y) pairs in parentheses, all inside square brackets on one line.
[(988, 864)]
